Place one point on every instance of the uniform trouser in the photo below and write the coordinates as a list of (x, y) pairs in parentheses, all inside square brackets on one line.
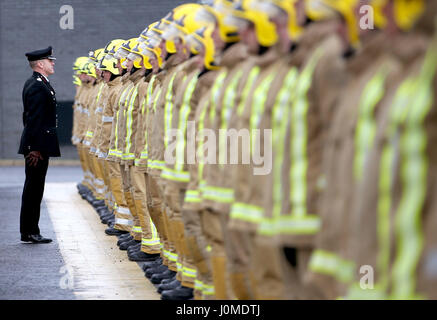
[(99, 181), (123, 217), (92, 170), (239, 247), (108, 194), (213, 231), (284, 277), (127, 190), (174, 196), (33, 191), (150, 241), (197, 248), (157, 209), (86, 181)]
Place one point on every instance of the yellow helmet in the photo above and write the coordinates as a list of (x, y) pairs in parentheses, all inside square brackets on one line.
[(346, 9), (79, 63), (316, 10), (109, 64), (94, 54), (123, 51), (407, 12), (111, 47), (216, 14), (273, 7), (89, 69), (136, 56), (265, 29), (76, 80), (147, 33), (201, 39), (151, 52)]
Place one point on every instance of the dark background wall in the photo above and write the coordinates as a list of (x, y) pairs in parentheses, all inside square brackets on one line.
[(27, 25)]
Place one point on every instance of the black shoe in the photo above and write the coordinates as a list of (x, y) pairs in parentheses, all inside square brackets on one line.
[(167, 281), (157, 278), (127, 244), (107, 218), (35, 238), (114, 232), (142, 256), (98, 203), (111, 223), (155, 270), (180, 293), (103, 211), (124, 238), (90, 198), (147, 265), (134, 248), (170, 284)]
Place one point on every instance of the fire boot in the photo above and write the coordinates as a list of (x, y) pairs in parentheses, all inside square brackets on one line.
[(155, 270), (114, 232), (180, 293), (158, 277), (142, 256), (170, 284)]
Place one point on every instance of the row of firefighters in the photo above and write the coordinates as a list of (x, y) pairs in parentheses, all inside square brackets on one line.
[(332, 105)]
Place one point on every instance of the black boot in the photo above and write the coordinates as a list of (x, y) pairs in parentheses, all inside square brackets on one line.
[(172, 284), (157, 278), (180, 293), (134, 248), (114, 232), (123, 238), (142, 256), (155, 270), (147, 265), (98, 203), (127, 244)]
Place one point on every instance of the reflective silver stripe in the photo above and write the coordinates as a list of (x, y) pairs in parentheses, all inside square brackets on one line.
[(99, 110), (107, 119), (92, 149), (87, 143), (123, 210), (124, 222)]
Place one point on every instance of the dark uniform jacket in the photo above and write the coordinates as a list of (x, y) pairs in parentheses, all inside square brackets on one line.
[(39, 118)]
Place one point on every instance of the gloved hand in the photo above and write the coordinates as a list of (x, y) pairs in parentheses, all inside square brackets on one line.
[(33, 158)]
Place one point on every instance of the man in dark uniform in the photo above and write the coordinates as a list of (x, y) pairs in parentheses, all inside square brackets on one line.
[(39, 140)]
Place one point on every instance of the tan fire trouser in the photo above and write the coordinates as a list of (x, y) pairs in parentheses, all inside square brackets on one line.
[(123, 217), (86, 171), (150, 241), (109, 197), (213, 232), (127, 190), (201, 259), (99, 181), (157, 210), (174, 199), (92, 170)]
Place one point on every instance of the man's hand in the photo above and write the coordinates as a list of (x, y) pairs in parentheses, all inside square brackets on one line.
[(33, 158)]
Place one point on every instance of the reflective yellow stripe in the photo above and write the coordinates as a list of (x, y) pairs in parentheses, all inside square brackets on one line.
[(183, 117), (189, 272), (192, 196), (329, 263), (227, 107), (366, 126), (171, 174), (172, 256), (117, 118), (208, 290), (198, 285), (414, 168), (280, 116), (223, 195), (215, 94), (150, 89), (253, 75), (128, 141), (246, 212), (89, 134), (137, 229), (168, 111), (200, 153), (156, 164), (258, 103), (100, 91)]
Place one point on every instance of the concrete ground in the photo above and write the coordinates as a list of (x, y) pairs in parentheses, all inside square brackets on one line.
[(82, 262)]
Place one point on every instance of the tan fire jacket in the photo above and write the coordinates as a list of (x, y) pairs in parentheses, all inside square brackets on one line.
[(104, 135)]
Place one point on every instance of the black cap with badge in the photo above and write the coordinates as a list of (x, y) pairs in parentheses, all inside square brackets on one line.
[(41, 54)]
